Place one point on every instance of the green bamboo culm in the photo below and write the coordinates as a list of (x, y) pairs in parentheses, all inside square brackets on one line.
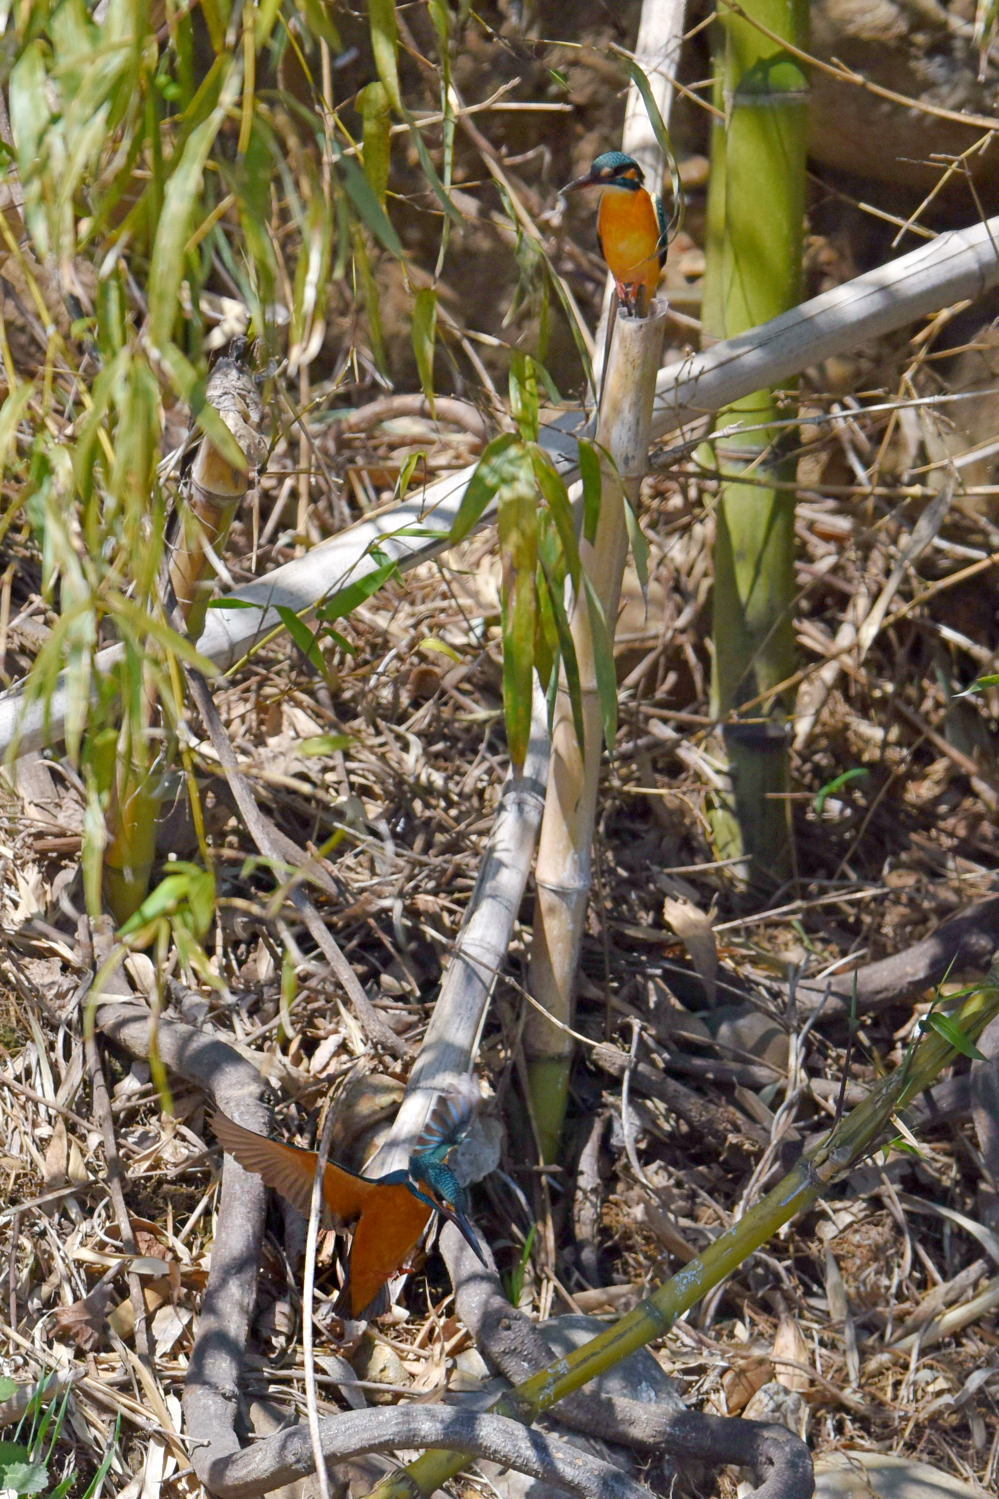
[(754, 238)]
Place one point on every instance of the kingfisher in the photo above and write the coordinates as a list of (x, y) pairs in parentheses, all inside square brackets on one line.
[(388, 1213), (631, 228)]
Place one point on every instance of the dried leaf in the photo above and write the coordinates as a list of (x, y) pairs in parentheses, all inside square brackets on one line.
[(790, 1351), (84, 1323), (694, 929)]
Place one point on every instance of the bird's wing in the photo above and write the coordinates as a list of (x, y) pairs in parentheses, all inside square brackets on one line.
[(291, 1171), (663, 229), (448, 1120), (389, 1229)]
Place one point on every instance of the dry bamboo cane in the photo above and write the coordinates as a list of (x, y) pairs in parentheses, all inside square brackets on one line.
[(217, 487), (563, 870)]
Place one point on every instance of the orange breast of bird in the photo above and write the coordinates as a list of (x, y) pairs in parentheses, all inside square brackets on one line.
[(629, 238), (388, 1220)]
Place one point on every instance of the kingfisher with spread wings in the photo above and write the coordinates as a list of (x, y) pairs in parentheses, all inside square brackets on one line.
[(388, 1213)]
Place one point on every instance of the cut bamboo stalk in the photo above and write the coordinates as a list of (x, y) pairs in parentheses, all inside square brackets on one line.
[(563, 874), (962, 264), (753, 272)]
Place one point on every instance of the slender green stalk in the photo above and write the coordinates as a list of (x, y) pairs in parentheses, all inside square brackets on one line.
[(755, 215), (854, 1138), (563, 869)]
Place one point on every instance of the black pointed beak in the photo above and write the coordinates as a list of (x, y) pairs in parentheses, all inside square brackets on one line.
[(463, 1226), (589, 180)]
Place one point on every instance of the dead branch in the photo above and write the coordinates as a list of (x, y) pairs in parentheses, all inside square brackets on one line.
[(287, 1455), (968, 941)]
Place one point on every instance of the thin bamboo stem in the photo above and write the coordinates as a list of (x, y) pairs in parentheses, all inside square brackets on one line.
[(563, 872), (217, 486)]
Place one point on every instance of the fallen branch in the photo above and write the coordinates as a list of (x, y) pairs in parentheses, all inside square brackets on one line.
[(969, 940)]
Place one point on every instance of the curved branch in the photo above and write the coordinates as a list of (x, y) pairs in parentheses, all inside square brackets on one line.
[(211, 1387), (287, 1455)]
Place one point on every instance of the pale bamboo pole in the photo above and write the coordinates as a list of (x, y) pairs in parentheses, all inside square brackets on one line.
[(755, 222), (563, 872)]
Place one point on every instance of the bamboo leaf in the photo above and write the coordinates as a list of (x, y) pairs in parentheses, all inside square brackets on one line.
[(589, 473), (639, 548), (661, 131), (567, 649), (376, 135), (950, 1031), (182, 197), (498, 464), (518, 539), (384, 45), (371, 212), (559, 507), (424, 334), (523, 386), (303, 637), (603, 660), (342, 603)]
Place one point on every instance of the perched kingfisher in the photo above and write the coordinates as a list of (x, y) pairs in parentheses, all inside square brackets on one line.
[(631, 228), (388, 1213)]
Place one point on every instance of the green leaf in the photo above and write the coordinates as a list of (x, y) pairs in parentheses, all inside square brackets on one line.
[(589, 473), (376, 119), (523, 384), (429, 170), (24, 1477), (948, 1029), (303, 637), (186, 885), (639, 548), (662, 135), (499, 462), (94, 1486), (567, 651), (980, 685), (402, 488), (603, 660), (323, 744), (559, 506), (8, 1388), (424, 334), (431, 643), (371, 212), (836, 784), (384, 46), (183, 197), (518, 539), (342, 603)]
